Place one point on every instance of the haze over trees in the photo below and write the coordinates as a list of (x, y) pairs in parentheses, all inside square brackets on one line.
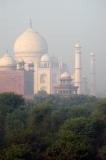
[(52, 128)]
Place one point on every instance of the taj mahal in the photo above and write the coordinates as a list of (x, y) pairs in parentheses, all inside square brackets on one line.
[(31, 69)]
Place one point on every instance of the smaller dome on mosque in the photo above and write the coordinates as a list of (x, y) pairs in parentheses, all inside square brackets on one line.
[(92, 54), (77, 45), (7, 61), (45, 58), (65, 75)]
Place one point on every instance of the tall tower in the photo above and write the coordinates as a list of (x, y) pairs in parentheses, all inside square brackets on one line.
[(92, 75), (77, 67)]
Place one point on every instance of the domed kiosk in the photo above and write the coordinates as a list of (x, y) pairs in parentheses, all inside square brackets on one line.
[(7, 62), (65, 86), (65, 75), (45, 58)]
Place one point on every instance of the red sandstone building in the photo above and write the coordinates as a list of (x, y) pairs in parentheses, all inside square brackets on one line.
[(15, 78), (65, 86)]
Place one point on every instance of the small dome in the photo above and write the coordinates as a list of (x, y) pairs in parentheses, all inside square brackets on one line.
[(7, 61), (30, 42), (65, 75), (45, 58), (77, 45), (92, 54)]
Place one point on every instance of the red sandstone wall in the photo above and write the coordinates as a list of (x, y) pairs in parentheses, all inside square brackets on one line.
[(12, 81)]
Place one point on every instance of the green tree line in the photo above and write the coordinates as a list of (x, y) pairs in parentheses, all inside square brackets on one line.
[(52, 127)]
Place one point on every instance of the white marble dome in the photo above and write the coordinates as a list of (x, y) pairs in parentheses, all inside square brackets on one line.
[(92, 54), (7, 61), (30, 43), (45, 58), (65, 75), (77, 45)]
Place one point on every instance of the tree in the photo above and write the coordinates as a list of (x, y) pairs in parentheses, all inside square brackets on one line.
[(102, 152), (70, 147), (10, 101), (17, 152)]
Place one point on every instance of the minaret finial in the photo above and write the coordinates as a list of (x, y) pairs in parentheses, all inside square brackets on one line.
[(30, 22)]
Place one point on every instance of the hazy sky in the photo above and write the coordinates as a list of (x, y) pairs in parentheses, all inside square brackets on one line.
[(62, 23)]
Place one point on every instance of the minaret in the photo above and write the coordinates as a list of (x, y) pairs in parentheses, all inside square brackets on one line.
[(92, 75), (77, 67)]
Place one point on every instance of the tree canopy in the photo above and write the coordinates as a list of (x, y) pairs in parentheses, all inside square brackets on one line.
[(52, 128)]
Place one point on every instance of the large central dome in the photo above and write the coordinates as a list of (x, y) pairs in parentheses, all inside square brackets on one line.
[(30, 43)]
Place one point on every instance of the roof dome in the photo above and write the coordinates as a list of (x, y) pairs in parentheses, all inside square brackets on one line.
[(92, 54), (7, 61), (65, 75), (77, 45), (30, 42), (45, 58)]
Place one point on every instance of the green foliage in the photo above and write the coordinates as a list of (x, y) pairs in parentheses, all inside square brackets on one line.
[(17, 152), (102, 152), (69, 146), (10, 101), (77, 139), (52, 128), (15, 122), (100, 110), (1, 130)]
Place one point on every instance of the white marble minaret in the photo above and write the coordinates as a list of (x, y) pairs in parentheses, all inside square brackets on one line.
[(77, 67), (92, 75)]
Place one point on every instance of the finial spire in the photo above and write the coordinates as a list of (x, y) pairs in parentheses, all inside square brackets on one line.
[(30, 22)]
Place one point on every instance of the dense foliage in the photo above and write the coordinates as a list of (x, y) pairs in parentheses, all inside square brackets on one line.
[(52, 128)]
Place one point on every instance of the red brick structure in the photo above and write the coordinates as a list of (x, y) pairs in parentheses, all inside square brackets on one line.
[(18, 81), (65, 86)]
